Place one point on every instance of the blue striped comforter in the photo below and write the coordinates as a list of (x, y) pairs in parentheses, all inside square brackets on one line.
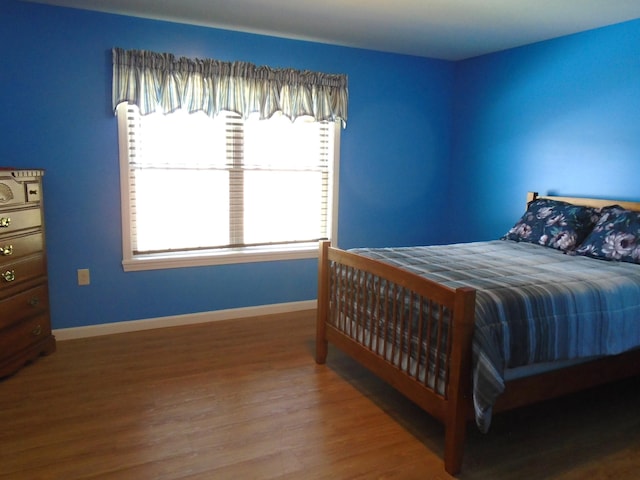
[(534, 304)]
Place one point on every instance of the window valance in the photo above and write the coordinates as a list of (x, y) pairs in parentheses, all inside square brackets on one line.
[(162, 82)]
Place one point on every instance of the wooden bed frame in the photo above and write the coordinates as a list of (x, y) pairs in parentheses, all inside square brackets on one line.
[(453, 405)]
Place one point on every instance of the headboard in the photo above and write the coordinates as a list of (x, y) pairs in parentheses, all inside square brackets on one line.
[(588, 202)]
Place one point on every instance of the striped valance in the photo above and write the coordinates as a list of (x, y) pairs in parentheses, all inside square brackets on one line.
[(162, 82)]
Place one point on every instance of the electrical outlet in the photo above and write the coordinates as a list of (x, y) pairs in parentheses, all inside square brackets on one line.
[(84, 278)]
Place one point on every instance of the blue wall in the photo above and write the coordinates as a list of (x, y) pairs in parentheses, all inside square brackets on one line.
[(561, 116), (434, 151), (55, 88)]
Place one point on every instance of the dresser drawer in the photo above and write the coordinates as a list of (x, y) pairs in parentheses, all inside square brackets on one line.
[(13, 273), (12, 248), (24, 333), (11, 191), (25, 304), (32, 192), (15, 220)]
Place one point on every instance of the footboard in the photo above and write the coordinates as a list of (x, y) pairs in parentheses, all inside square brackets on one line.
[(412, 332)]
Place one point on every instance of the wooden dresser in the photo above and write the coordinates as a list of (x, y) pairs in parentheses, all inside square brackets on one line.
[(25, 324)]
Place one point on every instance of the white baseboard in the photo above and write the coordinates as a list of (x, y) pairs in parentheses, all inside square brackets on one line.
[(177, 320)]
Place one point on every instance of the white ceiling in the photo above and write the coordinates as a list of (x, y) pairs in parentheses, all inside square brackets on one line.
[(445, 29)]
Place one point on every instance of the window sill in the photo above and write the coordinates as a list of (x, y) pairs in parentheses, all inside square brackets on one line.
[(200, 259)]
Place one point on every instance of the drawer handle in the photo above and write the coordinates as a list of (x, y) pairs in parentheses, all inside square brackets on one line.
[(33, 192), (9, 275), (5, 222), (34, 302), (36, 331), (6, 250)]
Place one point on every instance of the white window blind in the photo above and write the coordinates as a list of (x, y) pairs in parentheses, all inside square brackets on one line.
[(223, 187)]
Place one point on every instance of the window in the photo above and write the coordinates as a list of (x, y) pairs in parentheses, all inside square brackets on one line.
[(198, 190), (215, 187)]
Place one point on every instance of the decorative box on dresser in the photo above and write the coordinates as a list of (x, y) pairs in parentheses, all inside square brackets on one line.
[(25, 324)]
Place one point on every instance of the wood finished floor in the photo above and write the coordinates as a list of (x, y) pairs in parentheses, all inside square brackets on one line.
[(243, 399)]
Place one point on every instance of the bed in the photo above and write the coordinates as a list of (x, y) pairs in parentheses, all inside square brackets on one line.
[(469, 330)]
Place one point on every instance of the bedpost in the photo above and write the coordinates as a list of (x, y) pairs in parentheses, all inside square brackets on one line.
[(531, 196), (323, 302), (459, 401)]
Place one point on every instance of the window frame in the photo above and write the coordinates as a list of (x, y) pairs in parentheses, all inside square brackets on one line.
[(155, 261)]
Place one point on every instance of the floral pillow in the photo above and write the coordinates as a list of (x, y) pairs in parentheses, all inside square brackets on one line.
[(616, 236), (554, 224)]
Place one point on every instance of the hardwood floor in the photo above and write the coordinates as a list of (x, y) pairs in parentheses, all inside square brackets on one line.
[(243, 399)]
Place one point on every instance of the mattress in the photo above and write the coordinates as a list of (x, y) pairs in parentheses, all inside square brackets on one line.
[(534, 306)]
